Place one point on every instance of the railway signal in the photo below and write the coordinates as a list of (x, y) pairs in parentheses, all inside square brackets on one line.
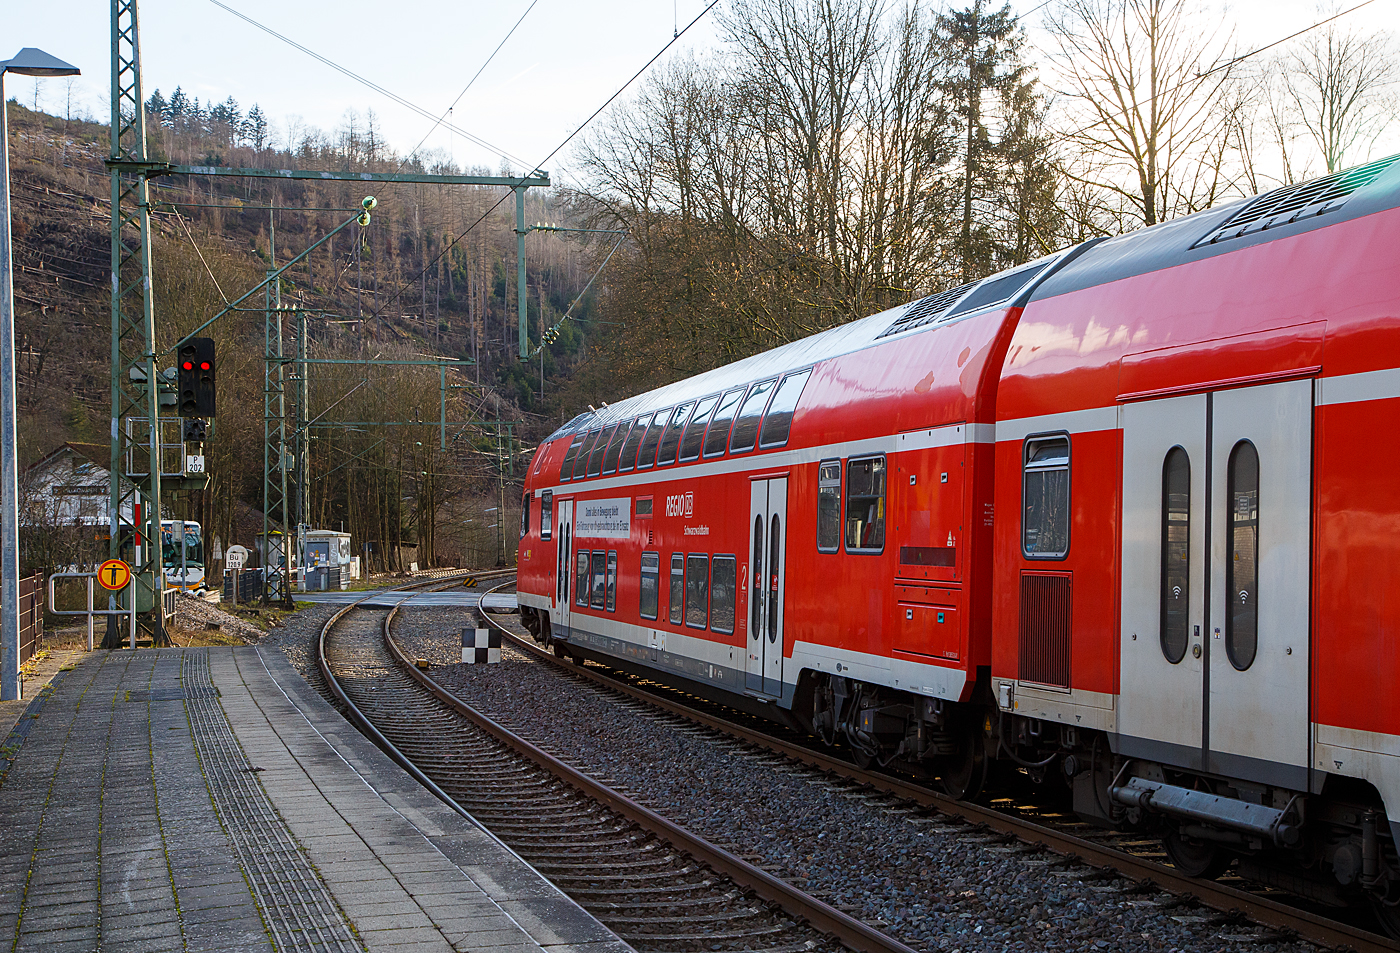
[(195, 374)]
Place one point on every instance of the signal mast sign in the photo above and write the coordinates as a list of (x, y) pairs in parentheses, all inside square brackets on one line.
[(114, 575)]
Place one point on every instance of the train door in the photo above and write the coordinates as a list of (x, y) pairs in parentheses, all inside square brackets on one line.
[(1162, 651), (768, 569), (564, 538), (1217, 493)]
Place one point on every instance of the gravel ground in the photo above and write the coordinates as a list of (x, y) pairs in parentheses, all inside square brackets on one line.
[(934, 887), (192, 613)]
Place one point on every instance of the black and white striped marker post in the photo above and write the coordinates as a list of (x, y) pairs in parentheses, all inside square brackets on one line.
[(481, 646)]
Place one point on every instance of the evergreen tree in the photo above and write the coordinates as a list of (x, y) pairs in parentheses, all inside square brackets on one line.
[(255, 127), (156, 107), (178, 108)]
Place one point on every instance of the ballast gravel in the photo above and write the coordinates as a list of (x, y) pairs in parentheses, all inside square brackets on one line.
[(934, 883)]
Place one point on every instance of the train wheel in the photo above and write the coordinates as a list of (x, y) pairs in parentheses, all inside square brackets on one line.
[(966, 775), (1193, 858)]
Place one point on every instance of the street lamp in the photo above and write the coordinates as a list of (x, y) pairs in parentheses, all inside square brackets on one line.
[(27, 62)]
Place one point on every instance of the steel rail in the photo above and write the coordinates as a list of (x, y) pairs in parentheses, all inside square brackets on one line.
[(848, 930), (1221, 897)]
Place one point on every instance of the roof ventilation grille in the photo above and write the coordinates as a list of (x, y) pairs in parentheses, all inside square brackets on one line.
[(1299, 201), (925, 310)]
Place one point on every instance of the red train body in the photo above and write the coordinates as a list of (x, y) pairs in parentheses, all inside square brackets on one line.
[(1128, 516)]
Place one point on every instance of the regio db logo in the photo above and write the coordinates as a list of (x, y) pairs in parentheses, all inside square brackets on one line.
[(682, 504)]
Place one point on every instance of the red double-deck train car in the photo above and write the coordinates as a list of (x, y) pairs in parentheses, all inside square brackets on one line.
[(1127, 517)]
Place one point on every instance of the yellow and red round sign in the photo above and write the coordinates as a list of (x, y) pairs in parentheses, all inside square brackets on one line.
[(114, 574)]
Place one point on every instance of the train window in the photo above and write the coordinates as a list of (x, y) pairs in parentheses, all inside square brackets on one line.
[(628, 459), (756, 601), (546, 514), (717, 439), (525, 514), (778, 421), (615, 447), (581, 579), (612, 581), (775, 550), (1242, 565), (695, 430), (584, 452), (1176, 554), (865, 505), (677, 587), (671, 440), (644, 505), (599, 579), (566, 469), (595, 459), (829, 506), (650, 588), (723, 584), (1045, 498), (746, 427), (647, 455), (697, 591)]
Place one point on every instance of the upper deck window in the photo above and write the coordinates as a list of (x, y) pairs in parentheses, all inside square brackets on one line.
[(778, 421), (647, 455), (695, 430), (1045, 498), (595, 459), (566, 469), (717, 439), (671, 440), (746, 427), (628, 458), (581, 461), (615, 447)]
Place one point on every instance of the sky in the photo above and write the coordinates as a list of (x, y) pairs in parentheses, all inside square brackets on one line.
[(564, 60)]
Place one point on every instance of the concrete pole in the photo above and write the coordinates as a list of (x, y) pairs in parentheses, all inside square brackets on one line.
[(9, 461)]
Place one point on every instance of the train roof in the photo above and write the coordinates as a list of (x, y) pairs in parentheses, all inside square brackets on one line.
[(1003, 290), (1281, 213)]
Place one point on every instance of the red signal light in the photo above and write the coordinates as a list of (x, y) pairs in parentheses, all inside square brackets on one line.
[(188, 366), (204, 365)]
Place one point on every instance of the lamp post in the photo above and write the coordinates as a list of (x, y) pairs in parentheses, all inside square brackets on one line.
[(27, 62)]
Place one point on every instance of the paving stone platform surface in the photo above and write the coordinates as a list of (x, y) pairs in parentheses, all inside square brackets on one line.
[(208, 799)]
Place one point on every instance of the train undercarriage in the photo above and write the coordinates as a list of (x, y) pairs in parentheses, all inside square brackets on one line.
[(1335, 847)]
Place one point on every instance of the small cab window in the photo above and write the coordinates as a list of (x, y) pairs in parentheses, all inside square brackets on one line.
[(723, 585), (777, 423), (599, 579), (566, 469), (695, 430), (612, 581), (584, 452), (865, 504), (671, 440), (540, 454), (677, 588), (829, 506), (750, 413), (647, 455), (717, 439), (1045, 498), (581, 579), (615, 447), (595, 459), (628, 458), (525, 514), (650, 589), (697, 590), (546, 514)]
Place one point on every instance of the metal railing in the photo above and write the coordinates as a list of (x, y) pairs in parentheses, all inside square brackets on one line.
[(31, 616), (90, 611)]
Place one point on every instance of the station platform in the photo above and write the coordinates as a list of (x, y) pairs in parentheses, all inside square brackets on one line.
[(452, 598), (209, 799)]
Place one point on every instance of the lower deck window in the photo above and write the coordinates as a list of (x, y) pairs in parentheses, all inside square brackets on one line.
[(612, 581), (598, 579), (677, 588), (581, 579), (723, 583), (650, 588), (865, 504), (697, 591)]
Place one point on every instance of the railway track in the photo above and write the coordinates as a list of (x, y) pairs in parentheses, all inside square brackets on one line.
[(658, 886), (1131, 856)]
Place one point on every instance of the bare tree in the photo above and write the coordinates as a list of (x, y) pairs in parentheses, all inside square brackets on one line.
[(1339, 84), (1142, 81)]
